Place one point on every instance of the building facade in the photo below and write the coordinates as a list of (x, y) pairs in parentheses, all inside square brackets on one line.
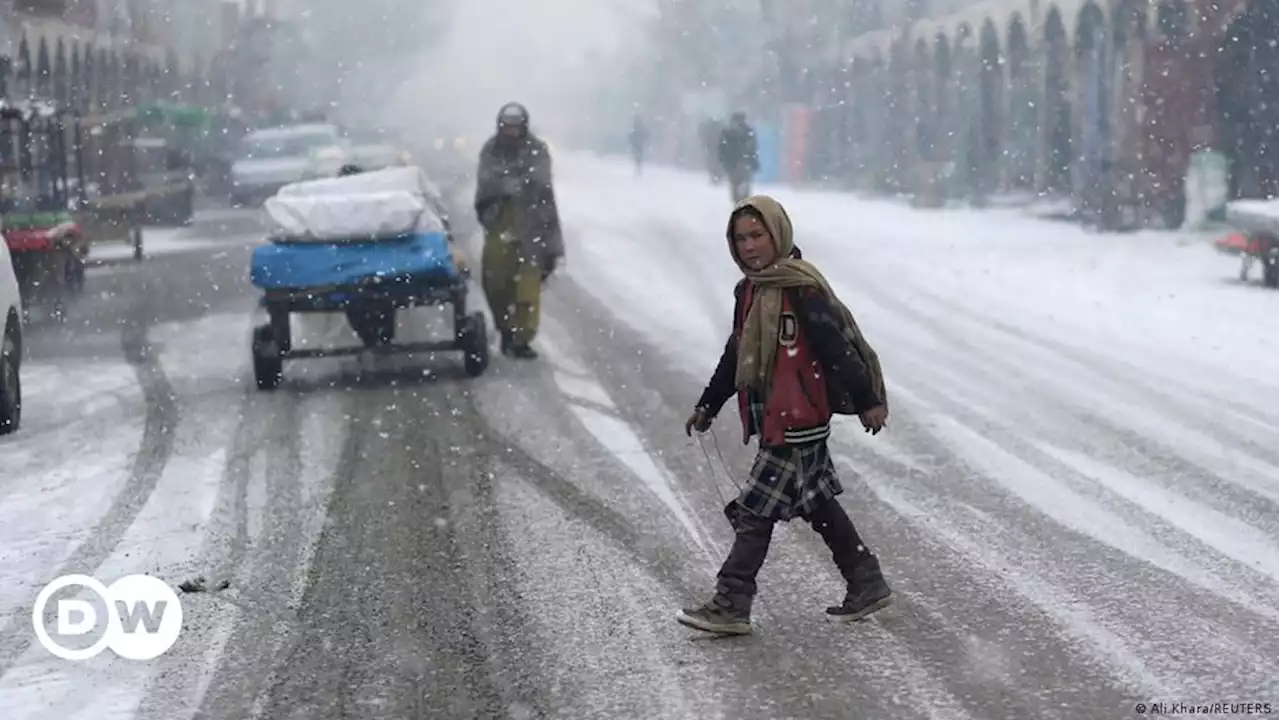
[(100, 55), (1100, 101)]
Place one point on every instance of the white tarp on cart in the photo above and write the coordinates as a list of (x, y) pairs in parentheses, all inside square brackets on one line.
[(384, 203), (356, 218), (408, 178)]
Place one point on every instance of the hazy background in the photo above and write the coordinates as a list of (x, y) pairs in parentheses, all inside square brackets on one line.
[(552, 56), (444, 67)]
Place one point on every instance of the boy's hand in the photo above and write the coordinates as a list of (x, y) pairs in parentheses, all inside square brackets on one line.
[(697, 421), (873, 420)]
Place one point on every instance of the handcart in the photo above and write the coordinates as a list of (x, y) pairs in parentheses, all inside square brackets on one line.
[(1257, 227), (366, 245)]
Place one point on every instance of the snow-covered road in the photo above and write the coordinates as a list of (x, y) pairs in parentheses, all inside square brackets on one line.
[(1076, 500)]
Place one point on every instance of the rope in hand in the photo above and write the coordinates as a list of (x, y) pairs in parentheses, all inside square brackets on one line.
[(724, 466)]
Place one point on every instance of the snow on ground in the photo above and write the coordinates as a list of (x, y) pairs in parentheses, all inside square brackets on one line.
[(51, 499), (598, 416), (51, 510)]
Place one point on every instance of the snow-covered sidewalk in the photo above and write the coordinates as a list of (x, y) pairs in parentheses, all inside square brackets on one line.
[(155, 242)]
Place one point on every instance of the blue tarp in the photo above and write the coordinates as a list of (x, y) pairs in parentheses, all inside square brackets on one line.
[(302, 265)]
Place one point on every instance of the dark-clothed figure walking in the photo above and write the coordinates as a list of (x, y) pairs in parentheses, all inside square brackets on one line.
[(709, 131), (515, 204), (738, 156), (639, 139), (794, 358)]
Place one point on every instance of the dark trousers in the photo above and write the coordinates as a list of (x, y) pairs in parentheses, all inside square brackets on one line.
[(736, 582), (739, 184)]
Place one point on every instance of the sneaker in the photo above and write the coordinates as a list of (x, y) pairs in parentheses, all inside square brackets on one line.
[(714, 617), (870, 596)]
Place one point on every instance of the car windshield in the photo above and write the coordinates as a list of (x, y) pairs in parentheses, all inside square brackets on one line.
[(280, 146)]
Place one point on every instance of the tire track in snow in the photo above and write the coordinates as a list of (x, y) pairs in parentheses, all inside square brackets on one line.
[(170, 686), (1146, 663), (1224, 533), (521, 669), (642, 375), (1122, 378), (232, 526), (60, 397), (1075, 619), (593, 598), (614, 427), (162, 416), (164, 542), (593, 503), (271, 569), (49, 499), (1188, 463), (410, 581), (953, 389), (1077, 503), (666, 241), (955, 392)]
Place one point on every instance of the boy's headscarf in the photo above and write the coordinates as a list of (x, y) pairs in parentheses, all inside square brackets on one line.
[(758, 343)]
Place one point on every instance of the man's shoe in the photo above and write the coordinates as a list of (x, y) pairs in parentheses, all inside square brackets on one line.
[(523, 352)]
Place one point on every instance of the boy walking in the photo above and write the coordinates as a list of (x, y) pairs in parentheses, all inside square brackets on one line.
[(795, 358)]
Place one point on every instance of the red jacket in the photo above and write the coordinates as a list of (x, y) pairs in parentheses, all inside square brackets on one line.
[(816, 372)]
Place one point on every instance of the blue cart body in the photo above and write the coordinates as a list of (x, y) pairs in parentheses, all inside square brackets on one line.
[(407, 270)]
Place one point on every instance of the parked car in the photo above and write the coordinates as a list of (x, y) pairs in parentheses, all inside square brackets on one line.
[(374, 151), (10, 345), (271, 158)]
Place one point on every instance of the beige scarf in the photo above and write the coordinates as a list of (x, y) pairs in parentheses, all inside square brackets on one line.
[(758, 343)]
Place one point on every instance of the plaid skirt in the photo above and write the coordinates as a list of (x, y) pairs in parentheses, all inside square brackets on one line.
[(790, 482)]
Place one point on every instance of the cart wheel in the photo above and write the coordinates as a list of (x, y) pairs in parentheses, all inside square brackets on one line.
[(75, 275), (10, 379), (268, 366), (475, 345), (1271, 274)]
